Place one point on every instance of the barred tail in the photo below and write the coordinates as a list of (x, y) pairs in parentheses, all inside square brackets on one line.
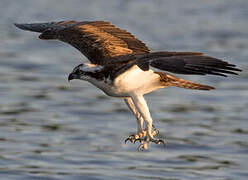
[(169, 80)]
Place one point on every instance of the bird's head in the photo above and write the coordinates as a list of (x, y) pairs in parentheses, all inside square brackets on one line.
[(84, 71)]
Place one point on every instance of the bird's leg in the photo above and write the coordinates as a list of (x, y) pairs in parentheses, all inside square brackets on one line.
[(140, 131), (141, 106)]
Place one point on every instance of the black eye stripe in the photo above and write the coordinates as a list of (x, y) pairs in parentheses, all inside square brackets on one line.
[(79, 72), (77, 69)]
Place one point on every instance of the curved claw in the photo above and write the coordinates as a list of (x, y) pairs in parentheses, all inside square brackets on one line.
[(140, 140), (128, 139), (157, 131), (131, 138), (159, 141), (143, 146)]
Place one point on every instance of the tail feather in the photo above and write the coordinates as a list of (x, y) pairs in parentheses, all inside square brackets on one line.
[(169, 80)]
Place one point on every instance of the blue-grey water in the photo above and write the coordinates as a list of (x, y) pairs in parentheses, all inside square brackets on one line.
[(51, 129)]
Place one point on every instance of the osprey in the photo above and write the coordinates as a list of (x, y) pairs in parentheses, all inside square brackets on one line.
[(120, 65)]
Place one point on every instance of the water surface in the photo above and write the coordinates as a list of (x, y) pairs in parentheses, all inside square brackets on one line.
[(52, 129)]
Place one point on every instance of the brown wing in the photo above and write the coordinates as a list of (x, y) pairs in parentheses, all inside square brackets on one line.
[(98, 40)]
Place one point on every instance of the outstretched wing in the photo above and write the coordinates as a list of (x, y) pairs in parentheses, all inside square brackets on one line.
[(98, 40), (182, 63)]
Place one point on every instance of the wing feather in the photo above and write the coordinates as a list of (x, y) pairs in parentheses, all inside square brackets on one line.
[(194, 65), (183, 63), (103, 43), (99, 41)]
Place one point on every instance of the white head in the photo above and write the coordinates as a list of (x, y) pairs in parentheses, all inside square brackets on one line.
[(85, 71)]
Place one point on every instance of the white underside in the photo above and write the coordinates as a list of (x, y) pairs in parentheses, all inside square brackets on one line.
[(132, 82)]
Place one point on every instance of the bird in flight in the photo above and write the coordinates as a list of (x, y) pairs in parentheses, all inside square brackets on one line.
[(120, 65)]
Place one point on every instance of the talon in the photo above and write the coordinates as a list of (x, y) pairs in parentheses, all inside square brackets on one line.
[(155, 132), (128, 139), (137, 140), (140, 148), (131, 138), (136, 137), (144, 139), (143, 147), (159, 141)]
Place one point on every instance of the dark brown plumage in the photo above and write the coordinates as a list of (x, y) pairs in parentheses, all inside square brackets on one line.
[(104, 44), (99, 41)]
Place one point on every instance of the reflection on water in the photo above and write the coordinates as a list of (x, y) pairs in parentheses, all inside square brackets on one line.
[(50, 129)]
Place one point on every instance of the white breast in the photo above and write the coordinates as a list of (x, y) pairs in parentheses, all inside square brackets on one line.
[(133, 81), (137, 81)]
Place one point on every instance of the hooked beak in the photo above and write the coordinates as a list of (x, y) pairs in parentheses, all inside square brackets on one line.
[(72, 76)]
